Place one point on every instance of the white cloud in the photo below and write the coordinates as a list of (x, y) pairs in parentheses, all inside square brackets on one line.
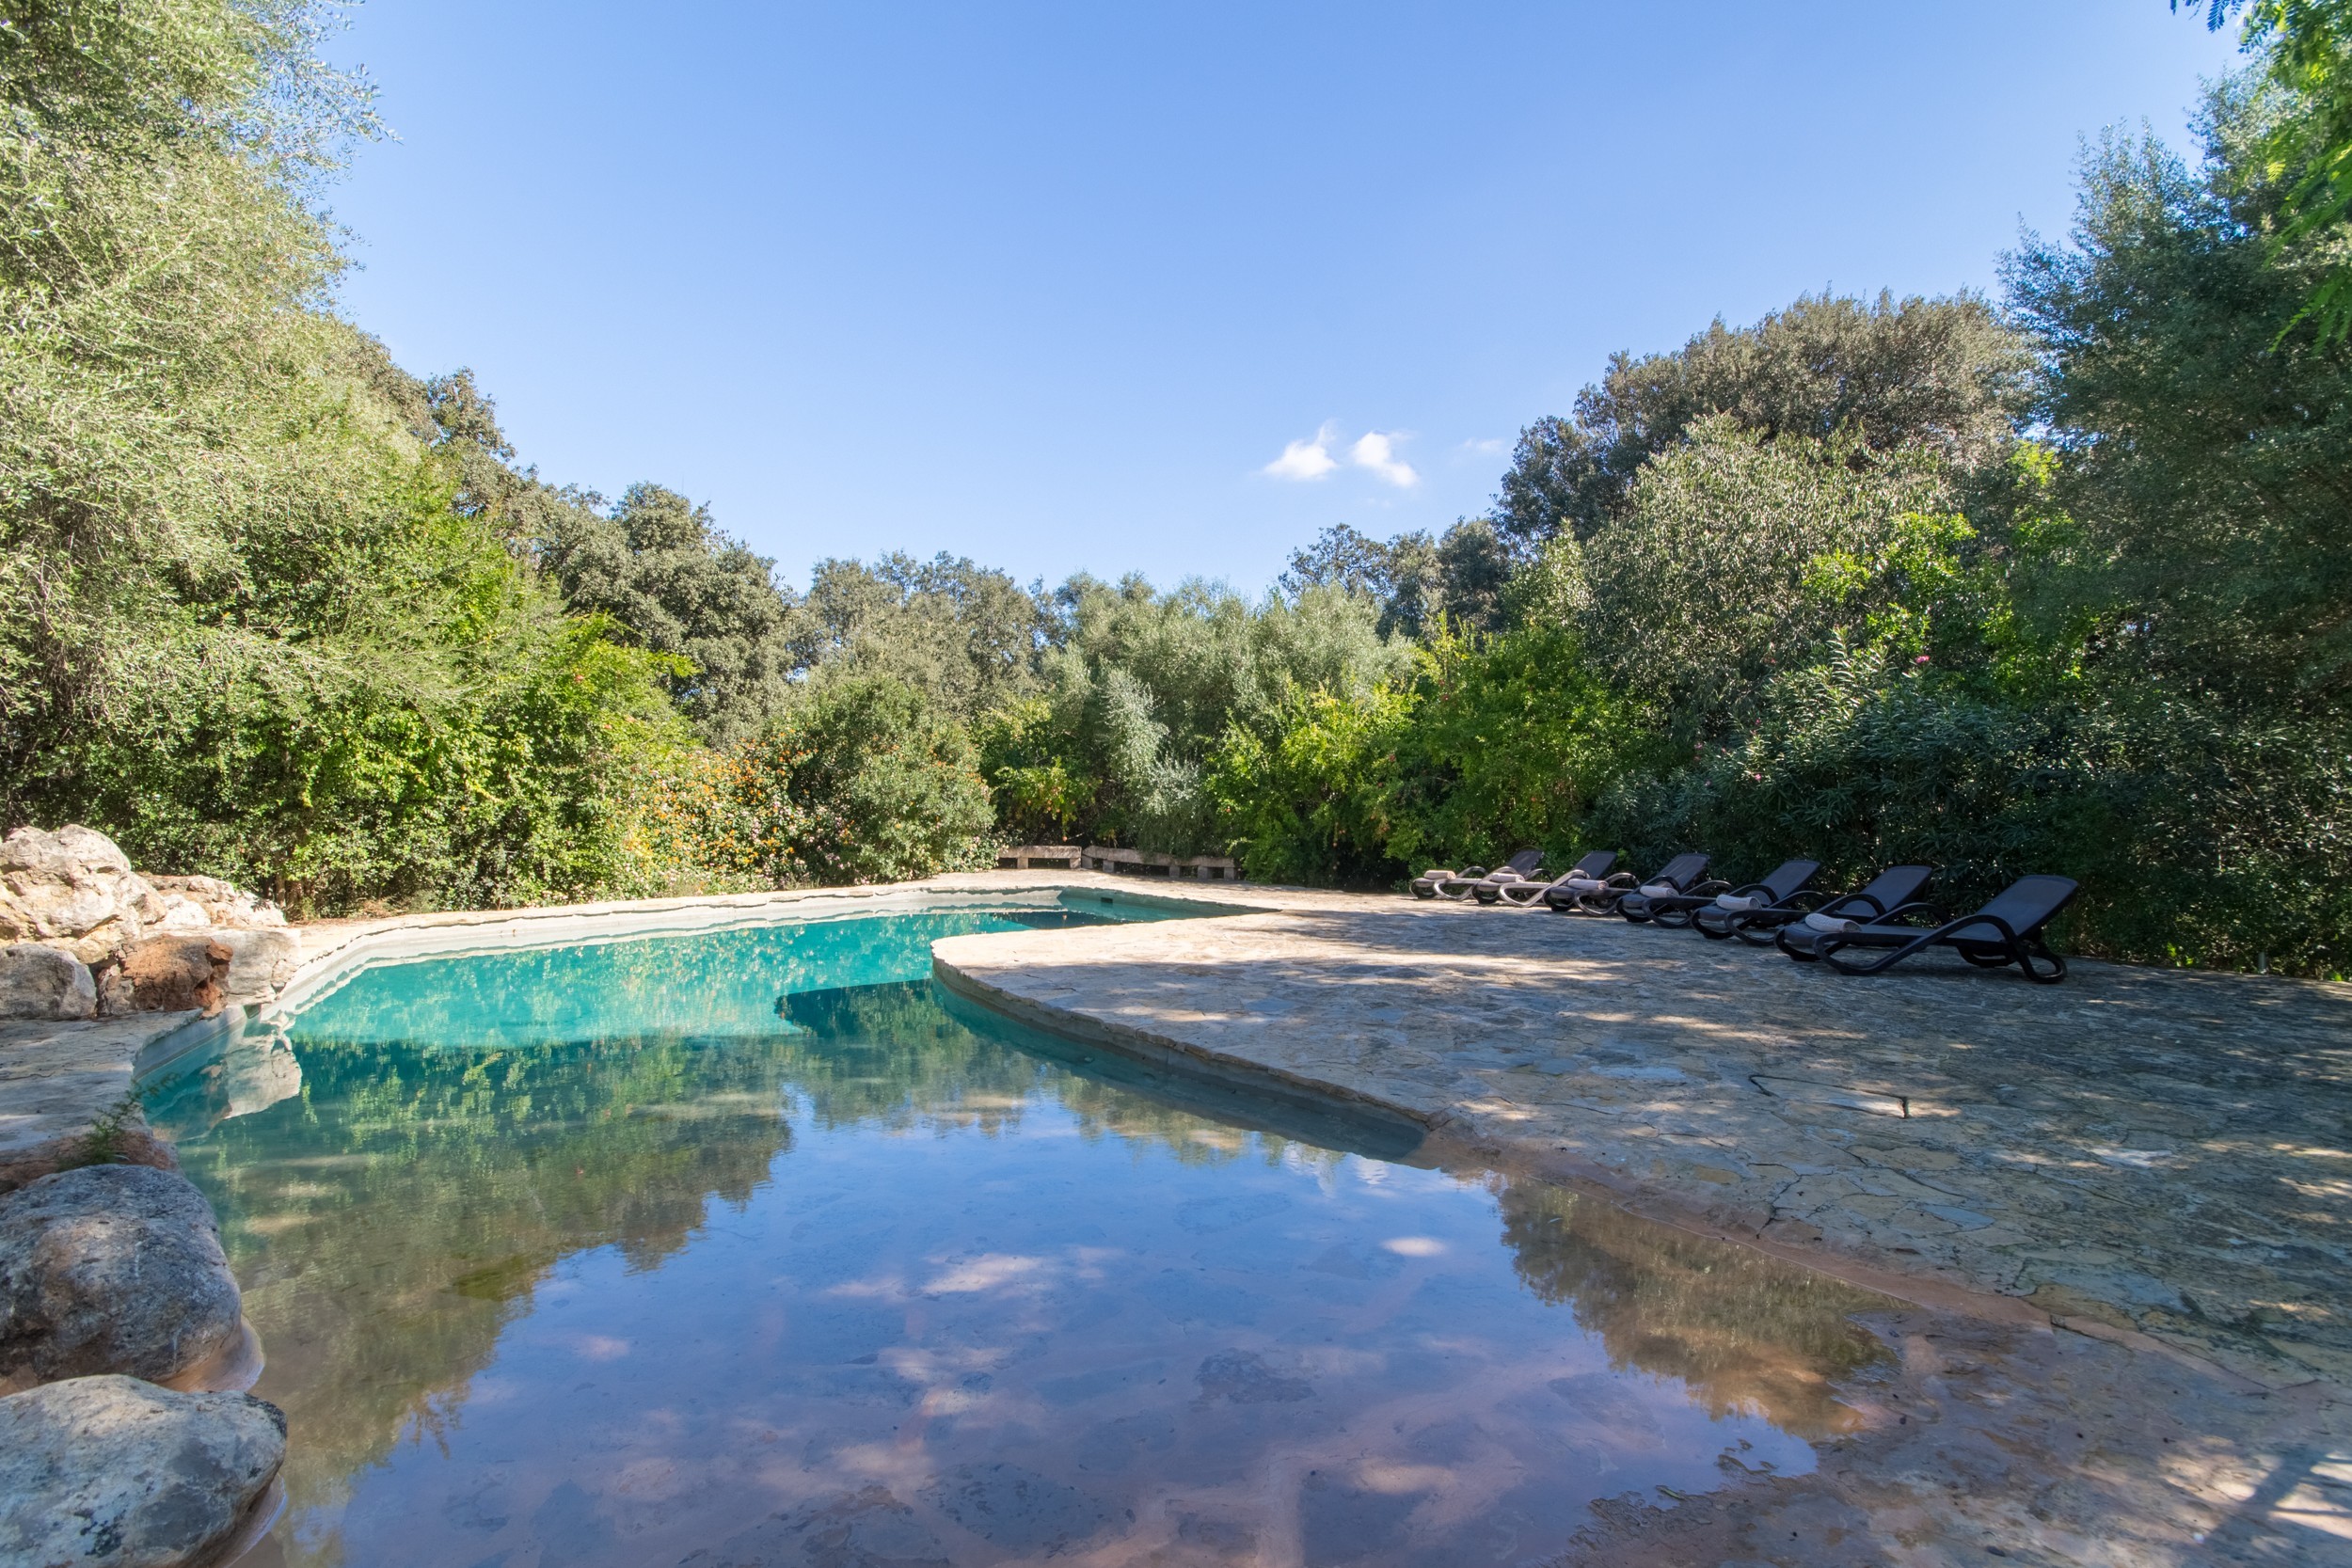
[(1378, 452), (1492, 446), (1375, 450), (1309, 459)]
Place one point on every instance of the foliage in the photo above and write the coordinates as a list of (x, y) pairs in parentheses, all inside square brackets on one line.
[(659, 568), (2307, 153), (2204, 471), (1461, 577), (257, 615), (967, 637), (1495, 743), (866, 783), (1141, 687), (1515, 737), (1942, 373), (1316, 803), (1735, 557), (1040, 796)]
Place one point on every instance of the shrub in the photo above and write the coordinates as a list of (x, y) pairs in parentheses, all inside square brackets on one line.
[(865, 782), (1496, 744)]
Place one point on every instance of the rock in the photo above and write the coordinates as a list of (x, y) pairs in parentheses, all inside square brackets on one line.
[(114, 995), (109, 1470), (66, 1099), (191, 902), (183, 970), (261, 961), (112, 1269), (74, 890), (28, 851), (41, 982), (91, 849)]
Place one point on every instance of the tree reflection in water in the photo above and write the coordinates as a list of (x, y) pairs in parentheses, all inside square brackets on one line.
[(1744, 1331)]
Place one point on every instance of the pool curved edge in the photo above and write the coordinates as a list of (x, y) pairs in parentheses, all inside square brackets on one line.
[(1449, 1144)]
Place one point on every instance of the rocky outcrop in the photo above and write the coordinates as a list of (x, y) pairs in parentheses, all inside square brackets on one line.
[(113, 1471), (74, 891), (112, 1269), (43, 983), (261, 961), (146, 942), (66, 1099)]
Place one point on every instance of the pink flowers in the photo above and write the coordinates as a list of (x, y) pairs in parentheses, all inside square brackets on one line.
[(1921, 659)]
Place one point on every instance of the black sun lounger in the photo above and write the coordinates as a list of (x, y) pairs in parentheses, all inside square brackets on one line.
[(1459, 885), (1677, 909), (1895, 889), (2006, 931), (1589, 875), (1681, 872)]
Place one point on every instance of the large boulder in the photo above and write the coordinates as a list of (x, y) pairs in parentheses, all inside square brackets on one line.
[(43, 983), (193, 903), (72, 890), (112, 1269), (177, 972), (112, 1471), (261, 961)]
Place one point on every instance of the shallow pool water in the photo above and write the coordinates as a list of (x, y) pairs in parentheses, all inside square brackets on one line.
[(755, 1248)]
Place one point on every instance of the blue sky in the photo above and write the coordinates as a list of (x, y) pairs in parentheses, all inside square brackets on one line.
[(1165, 287)]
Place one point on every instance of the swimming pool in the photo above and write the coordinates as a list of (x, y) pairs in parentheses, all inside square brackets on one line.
[(754, 1246)]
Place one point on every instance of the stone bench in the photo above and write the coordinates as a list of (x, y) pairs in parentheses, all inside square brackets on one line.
[(1026, 857), (1148, 862)]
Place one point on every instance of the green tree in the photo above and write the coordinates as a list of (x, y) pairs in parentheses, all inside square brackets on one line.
[(259, 611), (660, 569), (1140, 687), (1495, 743), (1942, 373), (1419, 582), (2305, 47), (1714, 577), (967, 637)]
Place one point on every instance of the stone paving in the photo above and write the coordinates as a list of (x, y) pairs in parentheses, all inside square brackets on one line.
[(2135, 1152), (59, 1083)]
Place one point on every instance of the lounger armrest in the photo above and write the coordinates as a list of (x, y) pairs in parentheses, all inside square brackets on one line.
[(1621, 878), (1707, 889), (1934, 915), (1811, 899)]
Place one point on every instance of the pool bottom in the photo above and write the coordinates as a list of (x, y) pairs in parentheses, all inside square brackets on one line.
[(868, 1284)]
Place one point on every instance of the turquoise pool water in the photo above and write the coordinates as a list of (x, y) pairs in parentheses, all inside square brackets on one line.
[(755, 1247)]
